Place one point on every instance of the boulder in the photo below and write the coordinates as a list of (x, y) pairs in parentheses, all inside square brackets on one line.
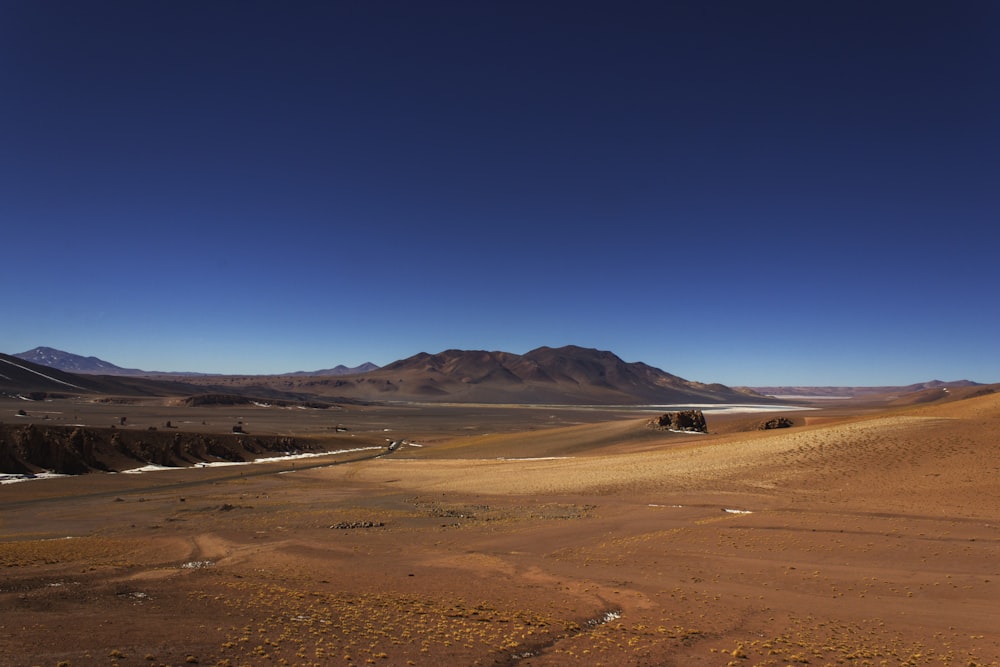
[(686, 420), (776, 422)]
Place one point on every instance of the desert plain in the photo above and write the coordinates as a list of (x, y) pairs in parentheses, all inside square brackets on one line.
[(518, 535)]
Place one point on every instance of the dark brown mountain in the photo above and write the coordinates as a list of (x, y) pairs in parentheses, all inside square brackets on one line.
[(565, 375)]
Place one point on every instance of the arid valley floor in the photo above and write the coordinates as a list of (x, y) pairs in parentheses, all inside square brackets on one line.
[(519, 536)]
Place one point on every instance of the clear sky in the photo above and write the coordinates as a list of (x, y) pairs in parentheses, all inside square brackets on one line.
[(751, 193)]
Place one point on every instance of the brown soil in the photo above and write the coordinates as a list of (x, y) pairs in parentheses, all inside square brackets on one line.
[(522, 536)]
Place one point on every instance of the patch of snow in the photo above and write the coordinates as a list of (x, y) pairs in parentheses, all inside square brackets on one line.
[(737, 511), (607, 617), (11, 478), (271, 459), (152, 467), (137, 595), (310, 455), (197, 564)]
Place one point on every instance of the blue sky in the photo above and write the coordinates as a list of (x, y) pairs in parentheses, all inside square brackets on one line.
[(747, 193)]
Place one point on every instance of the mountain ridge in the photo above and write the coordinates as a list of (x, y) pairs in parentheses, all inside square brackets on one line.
[(833, 391), (341, 369), (545, 375), (76, 363)]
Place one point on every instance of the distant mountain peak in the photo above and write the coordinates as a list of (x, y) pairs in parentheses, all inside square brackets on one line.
[(72, 363)]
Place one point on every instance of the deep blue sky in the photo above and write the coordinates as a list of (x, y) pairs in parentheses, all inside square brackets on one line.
[(739, 192)]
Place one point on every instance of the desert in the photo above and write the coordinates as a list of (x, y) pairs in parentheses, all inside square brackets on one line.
[(499, 334), (503, 534)]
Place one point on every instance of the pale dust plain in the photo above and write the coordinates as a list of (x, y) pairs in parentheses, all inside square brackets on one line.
[(519, 536)]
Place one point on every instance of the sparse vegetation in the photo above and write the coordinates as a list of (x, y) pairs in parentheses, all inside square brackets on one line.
[(864, 540)]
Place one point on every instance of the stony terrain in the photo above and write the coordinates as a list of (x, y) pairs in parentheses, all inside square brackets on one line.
[(503, 536)]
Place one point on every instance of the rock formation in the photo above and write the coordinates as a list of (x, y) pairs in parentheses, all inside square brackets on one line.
[(776, 422), (31, 448), (686, 420)]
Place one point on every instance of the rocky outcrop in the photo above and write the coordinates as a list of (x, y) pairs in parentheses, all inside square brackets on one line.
[(64, 450), (776, 422), (75, 450), (686, 420)]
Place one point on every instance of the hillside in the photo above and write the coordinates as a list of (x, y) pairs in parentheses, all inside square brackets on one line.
[(20, 377), (29, 380)]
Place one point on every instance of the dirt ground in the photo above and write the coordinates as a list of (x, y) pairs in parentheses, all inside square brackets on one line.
[(522, 536)]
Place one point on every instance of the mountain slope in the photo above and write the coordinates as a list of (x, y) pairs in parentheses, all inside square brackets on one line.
[(73, 363), (33, 381), (20, 377)]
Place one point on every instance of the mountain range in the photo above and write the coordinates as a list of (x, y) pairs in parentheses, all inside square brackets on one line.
[(568, 375), (565, 375), (859, 392), (75, 363), (341, 369)]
